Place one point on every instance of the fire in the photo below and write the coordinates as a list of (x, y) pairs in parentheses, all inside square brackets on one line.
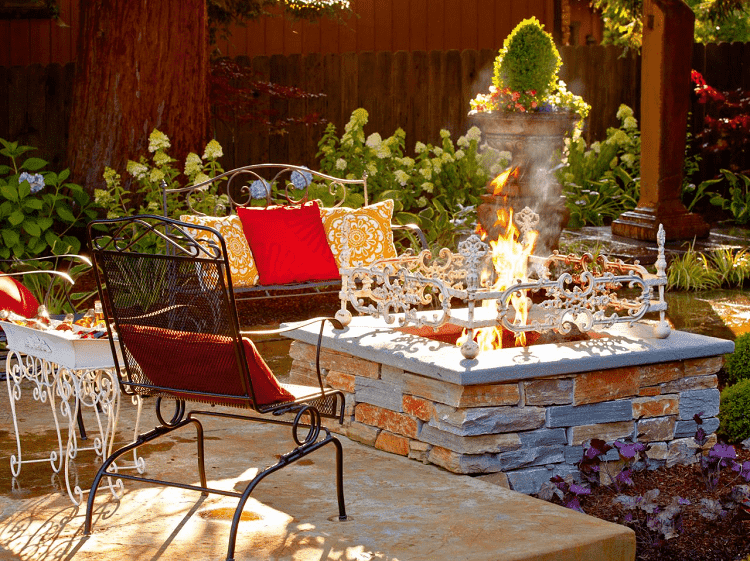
[(510, 256), (501, 181)]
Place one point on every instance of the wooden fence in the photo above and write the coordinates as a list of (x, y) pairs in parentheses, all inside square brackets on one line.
[(421, 92)]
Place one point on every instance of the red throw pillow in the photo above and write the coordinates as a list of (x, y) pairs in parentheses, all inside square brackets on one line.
[(288, 243), (16, 298), (199, 362)]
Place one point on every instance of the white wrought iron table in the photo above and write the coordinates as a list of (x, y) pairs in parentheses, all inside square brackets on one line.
[(68, 373)]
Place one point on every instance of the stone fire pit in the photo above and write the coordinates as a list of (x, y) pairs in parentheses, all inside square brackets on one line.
[(605, 365), (523, 412)]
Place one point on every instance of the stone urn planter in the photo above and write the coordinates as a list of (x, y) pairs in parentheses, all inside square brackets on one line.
[(536, 141)]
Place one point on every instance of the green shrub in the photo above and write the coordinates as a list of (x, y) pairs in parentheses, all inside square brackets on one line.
[(38, 208), (733, 412), (738, 364), (438, 189), (602, 181)]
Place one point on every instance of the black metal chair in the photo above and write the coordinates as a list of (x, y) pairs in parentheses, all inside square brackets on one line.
[(178, 339)]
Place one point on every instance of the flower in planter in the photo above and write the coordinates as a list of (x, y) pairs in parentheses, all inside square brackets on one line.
[(526, 76)]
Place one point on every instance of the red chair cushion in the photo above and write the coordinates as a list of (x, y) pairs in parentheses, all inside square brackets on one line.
[(199, 362), (16, 298), (288, 243)]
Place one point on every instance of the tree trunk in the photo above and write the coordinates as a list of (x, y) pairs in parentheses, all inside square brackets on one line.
[(141, 65)]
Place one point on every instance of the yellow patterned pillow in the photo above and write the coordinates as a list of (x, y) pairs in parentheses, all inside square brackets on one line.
[(370, 235), (241, 262)]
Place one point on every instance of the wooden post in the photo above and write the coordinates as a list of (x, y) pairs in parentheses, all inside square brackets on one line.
[(665, 101)]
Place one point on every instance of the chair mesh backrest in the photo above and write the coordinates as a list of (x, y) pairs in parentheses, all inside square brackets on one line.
[(174, 315)]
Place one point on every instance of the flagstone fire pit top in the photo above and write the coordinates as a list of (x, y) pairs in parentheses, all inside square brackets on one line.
[(618, 346)]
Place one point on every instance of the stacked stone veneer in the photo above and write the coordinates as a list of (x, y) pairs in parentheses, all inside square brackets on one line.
[(525, 430)]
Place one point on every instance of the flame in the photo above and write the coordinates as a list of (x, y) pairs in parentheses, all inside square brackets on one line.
[(510, 256), (498, 184)]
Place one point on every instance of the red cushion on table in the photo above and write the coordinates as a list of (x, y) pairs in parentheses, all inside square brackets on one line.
[(16, 298), (200, 362), (288, 243)]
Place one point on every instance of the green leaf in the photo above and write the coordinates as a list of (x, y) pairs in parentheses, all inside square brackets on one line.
[(52, 239), (64, 174), (24, 189), (33, 164), (32, 203), (9, 192), (16, 217), (71, 244), (10, 237), (63, 211), (4, 170), (32, 228), (36, 245), (427, 213), (45, 223)]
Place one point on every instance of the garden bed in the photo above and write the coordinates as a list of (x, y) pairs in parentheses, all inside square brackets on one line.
[(700, 539)]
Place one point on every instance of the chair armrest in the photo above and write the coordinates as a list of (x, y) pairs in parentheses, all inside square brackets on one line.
[(415, 230)]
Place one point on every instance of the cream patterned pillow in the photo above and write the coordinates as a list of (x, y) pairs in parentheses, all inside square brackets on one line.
[(370, 235), (241, 262)]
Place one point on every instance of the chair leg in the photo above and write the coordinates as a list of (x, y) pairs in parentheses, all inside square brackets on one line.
[(284, 462), (201, 454), (139, 441), (340, 477)]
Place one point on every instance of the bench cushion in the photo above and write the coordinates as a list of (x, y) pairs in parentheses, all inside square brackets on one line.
[(241, 262), (370, 236), (288, 243)]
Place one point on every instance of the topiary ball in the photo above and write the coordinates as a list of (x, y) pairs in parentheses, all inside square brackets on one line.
[(738, 363), (734, 412), (528, 61)]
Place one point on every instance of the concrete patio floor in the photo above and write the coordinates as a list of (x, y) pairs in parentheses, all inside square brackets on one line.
[(399, 509)]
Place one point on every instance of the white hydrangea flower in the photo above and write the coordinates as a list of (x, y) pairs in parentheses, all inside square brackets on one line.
[(200, 178), (419, 147), (427, 186), (360, 116), (156, 175), (623, 112), (474, 134), (447, 157), (462, 142), (139, 171), (630, 123), (161, 158), (372, 169), (383, 151), (193, 163), (438, 151), (596, 147), (628, 159), (213, 151), (341, 164), (459, 154), (374, 140), (157, 140), (407, 162), (401, 176), (618, 137), (426, 172), (445, 133), (437, 165)]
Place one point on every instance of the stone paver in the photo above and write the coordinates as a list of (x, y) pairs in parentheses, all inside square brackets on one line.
[(399, 509)]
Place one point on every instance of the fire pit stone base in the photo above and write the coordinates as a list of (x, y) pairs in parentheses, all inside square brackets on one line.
[(528, 427)]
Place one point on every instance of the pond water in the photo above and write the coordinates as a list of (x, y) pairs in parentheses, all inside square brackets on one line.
[(718, 313)]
